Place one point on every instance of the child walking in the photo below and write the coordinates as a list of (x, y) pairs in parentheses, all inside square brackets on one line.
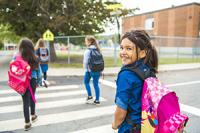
[(91, 44), (136, 51), (26, 51), (43, 55)]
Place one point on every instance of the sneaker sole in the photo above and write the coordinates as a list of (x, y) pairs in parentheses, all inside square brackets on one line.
[(89, 101), (27, 129), (34, 120), (97, 104)]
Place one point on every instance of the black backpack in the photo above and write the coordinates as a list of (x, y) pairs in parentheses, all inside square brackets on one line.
[(95, 62)]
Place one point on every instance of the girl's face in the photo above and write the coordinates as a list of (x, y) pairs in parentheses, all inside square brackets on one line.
[(128, 52)]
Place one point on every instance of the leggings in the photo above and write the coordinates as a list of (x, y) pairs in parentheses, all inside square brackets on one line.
[(45, 75), (28, 101)]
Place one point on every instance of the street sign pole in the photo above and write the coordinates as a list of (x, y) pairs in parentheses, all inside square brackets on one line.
[(48, 36)]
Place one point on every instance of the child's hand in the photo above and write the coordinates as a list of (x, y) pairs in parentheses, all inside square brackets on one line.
[(114, 126)]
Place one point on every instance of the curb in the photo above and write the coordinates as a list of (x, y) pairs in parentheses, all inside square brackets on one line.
[(114, 71)]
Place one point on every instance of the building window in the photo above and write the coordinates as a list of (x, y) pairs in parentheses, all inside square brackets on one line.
[(149, 24)]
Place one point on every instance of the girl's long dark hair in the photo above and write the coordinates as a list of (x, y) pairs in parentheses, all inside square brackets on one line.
[(27, 52), (142, 40)]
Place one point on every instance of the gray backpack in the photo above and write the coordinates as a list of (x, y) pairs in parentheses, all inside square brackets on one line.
[(95, 62)]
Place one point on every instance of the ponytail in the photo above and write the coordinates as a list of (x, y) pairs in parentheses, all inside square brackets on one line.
[(151, 58)]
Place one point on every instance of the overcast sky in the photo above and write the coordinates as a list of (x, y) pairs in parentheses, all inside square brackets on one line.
[(152, 5)]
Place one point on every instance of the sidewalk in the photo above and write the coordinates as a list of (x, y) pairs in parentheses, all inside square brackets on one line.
[(115, 70)]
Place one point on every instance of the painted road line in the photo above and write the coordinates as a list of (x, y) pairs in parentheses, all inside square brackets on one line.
[(47, 105), (100, 129), (107, 83), (184, 83), (190, 109), (46, 95), (186, 108), (15, 124), (43, 89)]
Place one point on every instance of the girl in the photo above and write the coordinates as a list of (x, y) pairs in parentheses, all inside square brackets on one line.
[(136, 50), (26, 51), (91, 43), (43, 54)]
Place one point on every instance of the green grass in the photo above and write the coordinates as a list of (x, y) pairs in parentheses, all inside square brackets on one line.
[(178, 60), (62, 61), (76, 61)]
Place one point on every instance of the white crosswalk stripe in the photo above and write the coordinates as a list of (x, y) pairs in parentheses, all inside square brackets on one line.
[(57, 118), (46, 105), (43, 89), (74, 97), (46, 95)]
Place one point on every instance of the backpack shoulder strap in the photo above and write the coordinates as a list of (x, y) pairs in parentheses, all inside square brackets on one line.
[(90, 49), (140, 73), (143, 75)]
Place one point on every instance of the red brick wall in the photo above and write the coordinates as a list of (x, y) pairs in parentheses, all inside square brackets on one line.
[(180, 21)]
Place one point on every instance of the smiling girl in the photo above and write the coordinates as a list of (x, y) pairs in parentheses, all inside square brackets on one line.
[(136, 51)]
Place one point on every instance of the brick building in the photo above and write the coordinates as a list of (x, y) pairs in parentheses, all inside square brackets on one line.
[(180, 21)]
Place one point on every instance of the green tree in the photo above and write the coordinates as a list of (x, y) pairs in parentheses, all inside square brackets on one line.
[(32, 18), (1, 45), (7, 35)]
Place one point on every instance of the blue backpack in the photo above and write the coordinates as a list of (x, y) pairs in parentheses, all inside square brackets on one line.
[(95, 62)]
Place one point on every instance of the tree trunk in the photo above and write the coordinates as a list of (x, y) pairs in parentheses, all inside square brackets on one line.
[(53, 56)]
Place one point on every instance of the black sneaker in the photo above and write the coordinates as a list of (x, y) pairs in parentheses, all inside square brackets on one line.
[(89, 100), (45, 84), (34, 118), (97, 102), (27, 126)]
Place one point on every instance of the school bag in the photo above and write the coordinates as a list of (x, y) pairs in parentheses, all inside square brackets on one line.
[(96, 61), (160, 106), (19, 75), (43, 54)]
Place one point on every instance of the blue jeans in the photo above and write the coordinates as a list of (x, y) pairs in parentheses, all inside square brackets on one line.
[(95, 76)]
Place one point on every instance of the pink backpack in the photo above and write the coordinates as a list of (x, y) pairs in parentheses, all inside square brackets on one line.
[(160, 106), (160, 109), (19, 75)]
